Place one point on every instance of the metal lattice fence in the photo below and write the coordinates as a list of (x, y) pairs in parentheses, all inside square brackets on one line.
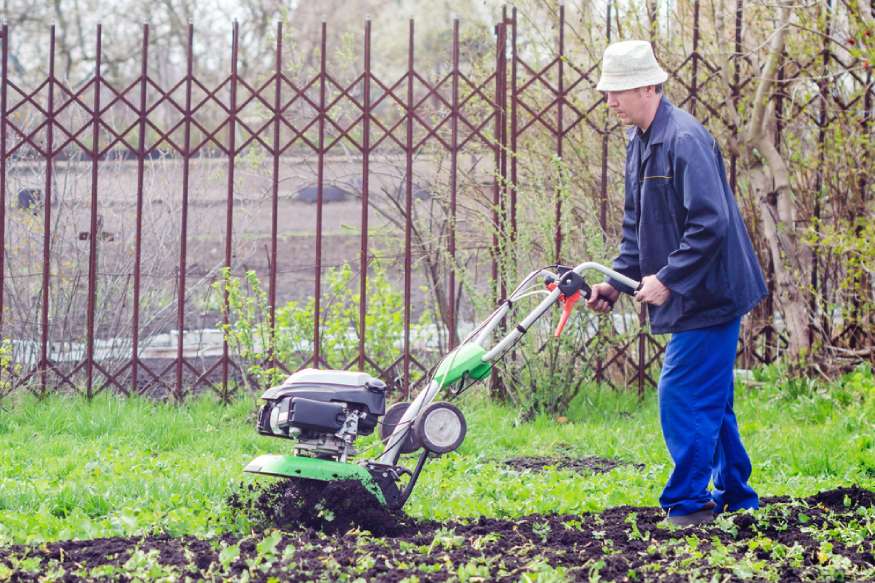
[(153, 180)]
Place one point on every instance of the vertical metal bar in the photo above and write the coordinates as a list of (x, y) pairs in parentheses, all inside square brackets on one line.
[(560, 127), (642, 313), (736, 81), (496, 183), (138, 237), (498, 285), (408, 211), (642, 350), (603, 187), (317, 357), (275, 195), (183, 238), (694, 82), (768, 356), (733, 155), (503, 198), (4, 71), (366, 171), (47, 224), (229, 204), (514, 97), (821, 155), (454, 161), (603, 183), (92, 238)]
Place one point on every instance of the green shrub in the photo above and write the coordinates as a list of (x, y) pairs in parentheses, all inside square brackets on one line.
[(248, 329)]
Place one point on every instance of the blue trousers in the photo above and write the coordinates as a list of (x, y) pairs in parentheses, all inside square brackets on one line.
[(698, 423)]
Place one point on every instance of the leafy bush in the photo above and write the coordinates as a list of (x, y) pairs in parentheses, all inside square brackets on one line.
[(544, 374), (7, 367), (249, 336)]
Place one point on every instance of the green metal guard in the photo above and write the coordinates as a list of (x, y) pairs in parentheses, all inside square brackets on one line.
[(290, 466)]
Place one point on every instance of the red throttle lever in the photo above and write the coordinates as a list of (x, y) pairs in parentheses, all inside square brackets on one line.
[(567, 307)]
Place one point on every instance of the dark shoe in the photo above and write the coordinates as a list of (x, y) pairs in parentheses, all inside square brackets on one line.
[(706, 514)]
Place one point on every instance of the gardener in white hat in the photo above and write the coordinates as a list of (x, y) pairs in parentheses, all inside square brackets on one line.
[(684, 238)]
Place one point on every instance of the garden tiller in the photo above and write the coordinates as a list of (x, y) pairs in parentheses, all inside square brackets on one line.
[(324, 411)]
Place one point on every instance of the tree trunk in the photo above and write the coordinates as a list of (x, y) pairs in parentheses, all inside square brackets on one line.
[(787, 253), (770, 182)]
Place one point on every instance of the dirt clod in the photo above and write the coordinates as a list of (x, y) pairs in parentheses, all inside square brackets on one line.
[(842, 498)]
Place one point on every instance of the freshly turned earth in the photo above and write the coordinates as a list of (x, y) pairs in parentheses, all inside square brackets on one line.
[(328, 507), (339, 532), (590, 464)]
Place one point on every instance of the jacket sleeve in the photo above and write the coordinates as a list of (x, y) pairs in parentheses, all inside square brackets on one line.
[(697, 177), (627, 262)]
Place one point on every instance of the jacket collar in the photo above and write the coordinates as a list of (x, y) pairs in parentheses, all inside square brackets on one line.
[(657, 127)]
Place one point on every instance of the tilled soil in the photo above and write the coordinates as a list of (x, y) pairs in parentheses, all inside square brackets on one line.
[(824, 537), (331, 508), (590, 464)]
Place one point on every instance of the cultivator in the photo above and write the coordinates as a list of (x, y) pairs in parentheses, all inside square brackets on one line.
[(324, 411)]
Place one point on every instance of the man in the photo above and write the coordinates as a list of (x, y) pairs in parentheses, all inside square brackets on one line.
[(684, 239)]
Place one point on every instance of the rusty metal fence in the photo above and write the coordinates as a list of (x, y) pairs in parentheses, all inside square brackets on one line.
[(492, 116)]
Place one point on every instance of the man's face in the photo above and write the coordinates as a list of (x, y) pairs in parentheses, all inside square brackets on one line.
[(631, 105)]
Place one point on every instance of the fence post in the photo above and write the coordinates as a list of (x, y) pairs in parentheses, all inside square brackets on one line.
[(513, 132), (560, 135), (736, 90), (92, 238), (603, 190), (408, 210), (694, 82), (498, 243), (183, 237), (4, 35), (320, 187), (496, 220), (274, 198), (603, 183), (642, 349), (366, 171), (504, 209), (47, 214), (229, 210), (821, 156), (138, 235), (454, 155)]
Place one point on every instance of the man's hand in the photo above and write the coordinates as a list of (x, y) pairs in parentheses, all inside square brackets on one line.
[(652, 291), (602, 297)]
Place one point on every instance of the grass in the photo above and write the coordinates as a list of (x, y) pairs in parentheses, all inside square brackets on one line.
[(76, 469)]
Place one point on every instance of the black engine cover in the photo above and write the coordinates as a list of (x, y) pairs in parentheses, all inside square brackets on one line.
[(310, 415), (370, 398), (314, 401)]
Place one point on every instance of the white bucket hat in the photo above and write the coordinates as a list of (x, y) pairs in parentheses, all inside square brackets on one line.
[(630, 64)]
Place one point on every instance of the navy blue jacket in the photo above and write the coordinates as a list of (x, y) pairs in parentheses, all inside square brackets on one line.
[(681, 223)]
